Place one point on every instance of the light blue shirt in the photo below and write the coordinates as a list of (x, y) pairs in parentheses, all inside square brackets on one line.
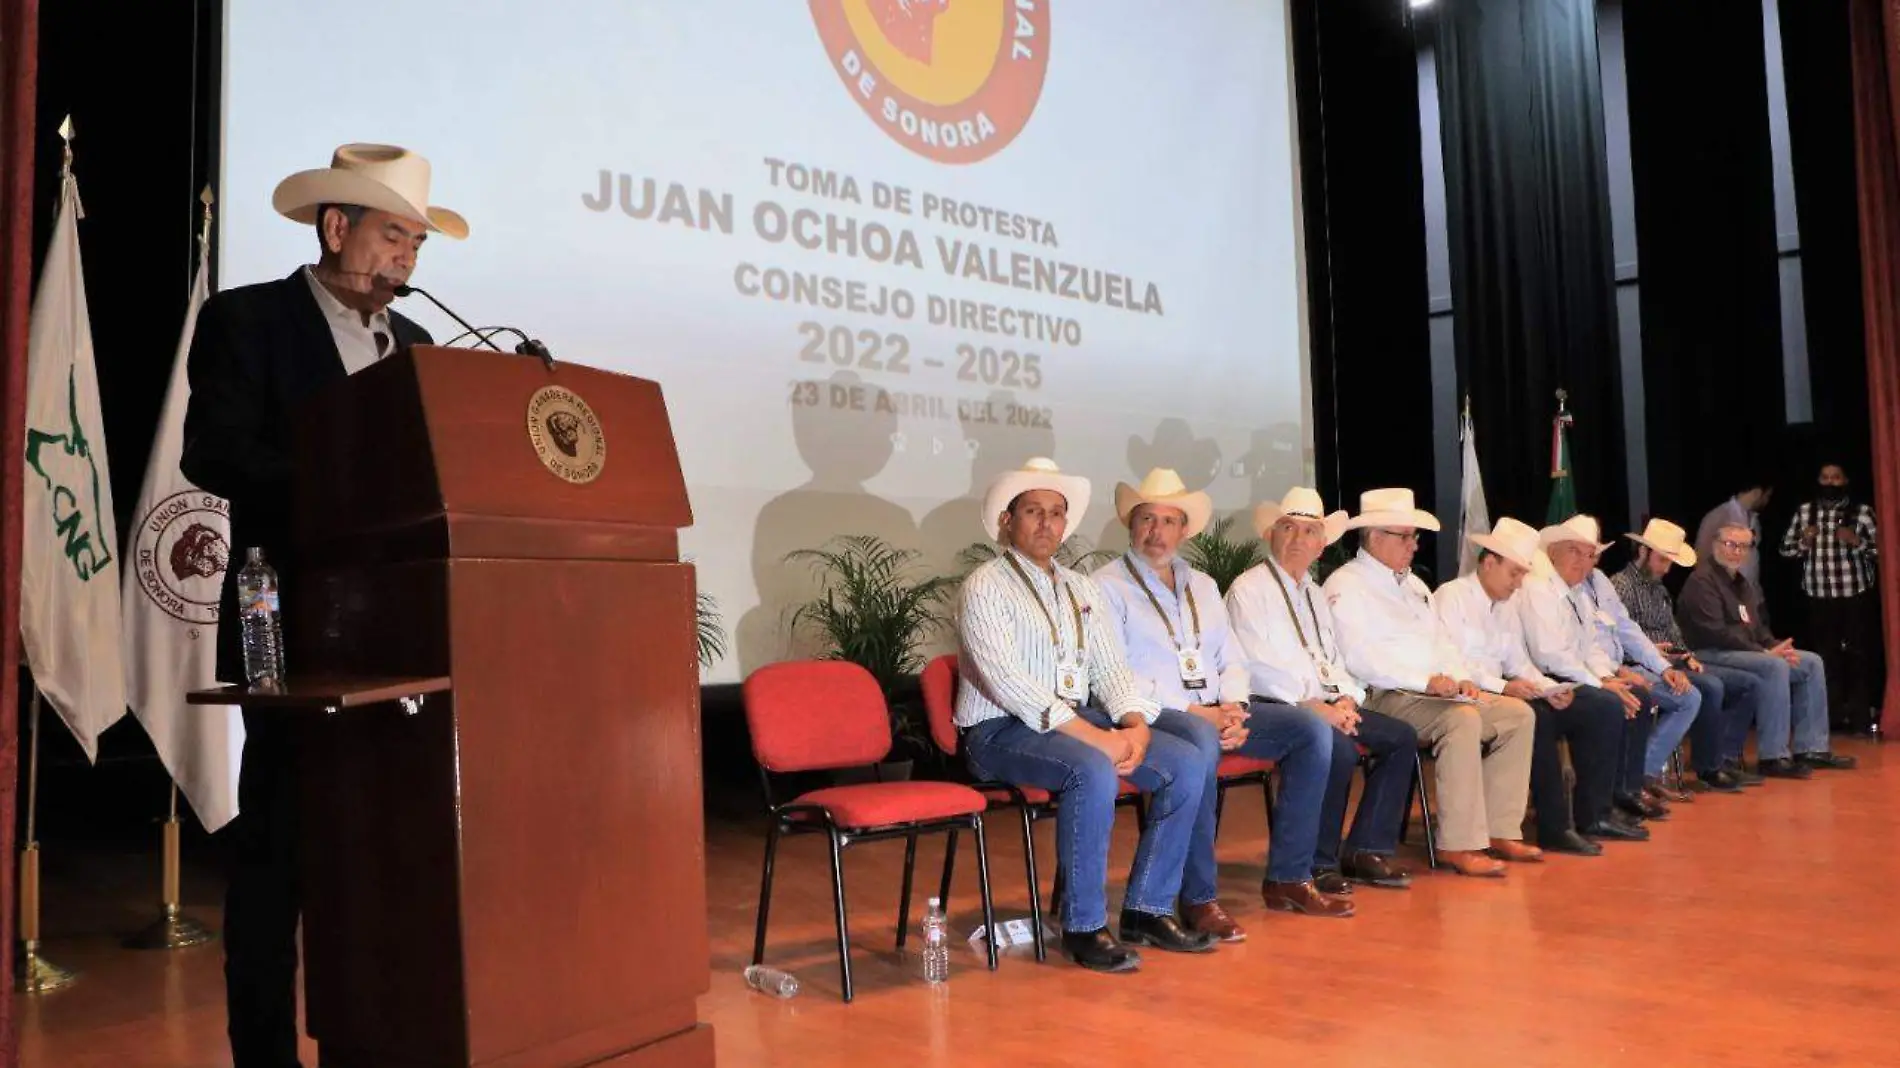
[(1152, 653), (1616, 632)]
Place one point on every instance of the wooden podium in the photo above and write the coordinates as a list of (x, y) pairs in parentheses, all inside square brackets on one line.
[(509, 873)]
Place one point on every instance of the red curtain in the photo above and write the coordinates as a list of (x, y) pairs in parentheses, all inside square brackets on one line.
[(1876, 45), (19, 69)]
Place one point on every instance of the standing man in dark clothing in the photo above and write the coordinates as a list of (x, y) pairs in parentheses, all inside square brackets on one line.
[(1835, 539), (1720, 613), (258, 352)]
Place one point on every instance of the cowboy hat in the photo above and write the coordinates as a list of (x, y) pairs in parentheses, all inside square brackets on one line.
[(1514, 541), (1298, 503), (382, 177), (1164, 487), (1390, 508), (1666, 538), (1581, 528), (1040, 473)]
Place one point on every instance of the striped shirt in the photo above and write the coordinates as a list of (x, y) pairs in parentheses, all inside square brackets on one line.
[(1009, 661), (1829, 568)]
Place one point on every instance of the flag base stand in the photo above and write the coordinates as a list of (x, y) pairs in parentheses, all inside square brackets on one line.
[(173, 930), (41, 976)]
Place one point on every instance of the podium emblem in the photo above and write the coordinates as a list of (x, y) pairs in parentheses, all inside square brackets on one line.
[(566, 434)]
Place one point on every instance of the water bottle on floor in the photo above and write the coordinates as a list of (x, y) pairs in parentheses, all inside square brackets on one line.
[(260, 615), (771, 981), (936, 944)]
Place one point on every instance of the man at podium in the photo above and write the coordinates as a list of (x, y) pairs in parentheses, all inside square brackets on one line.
[(258, 352)]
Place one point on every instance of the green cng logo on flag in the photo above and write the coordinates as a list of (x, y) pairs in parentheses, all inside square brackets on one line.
[(62, 457)]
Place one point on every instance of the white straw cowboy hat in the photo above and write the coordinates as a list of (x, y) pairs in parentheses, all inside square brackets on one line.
[(1298, 503), (383, 177), (1666, 538), (1040, 473), (1390, 508), (1164, 487), (1581, 528), (1515, 541)]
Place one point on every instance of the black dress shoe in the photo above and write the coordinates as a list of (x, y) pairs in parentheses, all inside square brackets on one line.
[(1720, 781), (1615, 827), (1824, 759), (1373, 869), (1742, 775), (1784, 768), (1162, 932), (1331, 882), (1098, 951), (1571, 842), (1637, 805)]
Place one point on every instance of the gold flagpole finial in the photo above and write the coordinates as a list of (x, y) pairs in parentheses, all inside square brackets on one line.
[(66, 134), (206, 198)]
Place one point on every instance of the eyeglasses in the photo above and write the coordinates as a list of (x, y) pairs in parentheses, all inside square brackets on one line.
[(1727, 544), (1402, 535)]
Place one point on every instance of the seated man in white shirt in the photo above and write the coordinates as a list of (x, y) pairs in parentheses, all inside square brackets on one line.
[(1046, 700), (1578, 603), (1392, 639), (1174, 629), (1480, 613), (1285, 634)]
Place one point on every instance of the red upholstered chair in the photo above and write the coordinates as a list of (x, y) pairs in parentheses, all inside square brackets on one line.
[(940, 680), (828, 714), (1237, 770)]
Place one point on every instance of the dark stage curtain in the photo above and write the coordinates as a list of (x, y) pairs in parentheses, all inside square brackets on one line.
[(1532, 271), (1876, 74), (19, 67), (1356, 67), (1705, 234)]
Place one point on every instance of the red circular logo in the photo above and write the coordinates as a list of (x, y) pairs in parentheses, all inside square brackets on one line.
[(951, 80)]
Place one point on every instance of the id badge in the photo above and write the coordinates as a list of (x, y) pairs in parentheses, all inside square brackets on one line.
[(1328, 678), (1193, 672), (1071, 684), (1743, 609)]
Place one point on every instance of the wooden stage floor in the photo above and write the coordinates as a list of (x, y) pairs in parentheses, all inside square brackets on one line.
[(1752, 930)]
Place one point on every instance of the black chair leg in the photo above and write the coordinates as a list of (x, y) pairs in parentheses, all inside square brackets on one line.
[(1035, 884), (1220, 804), (903, 903), (1425, 810), (765, 892), (949, 867), (837, 898), (1141, 813), (1266, 798), (983, 885)]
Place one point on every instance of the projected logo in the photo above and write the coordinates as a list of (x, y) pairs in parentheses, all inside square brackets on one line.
[(952, 80)]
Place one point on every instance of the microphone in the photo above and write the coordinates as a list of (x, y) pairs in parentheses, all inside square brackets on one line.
[(527, 347)]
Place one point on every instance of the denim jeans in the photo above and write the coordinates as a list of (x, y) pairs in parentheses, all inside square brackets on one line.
[(1741, 699), (1391, 746), (1172, 773), (1299, 743), (1786, 694), (1677, 712)]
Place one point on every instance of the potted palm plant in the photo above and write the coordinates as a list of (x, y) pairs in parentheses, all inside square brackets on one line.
[(1222, 559), (877, 613), (712, 636)]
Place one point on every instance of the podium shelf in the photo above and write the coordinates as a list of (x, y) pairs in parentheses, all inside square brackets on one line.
[(324, 692)]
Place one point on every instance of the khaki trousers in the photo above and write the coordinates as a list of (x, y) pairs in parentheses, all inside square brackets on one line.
[(1479, 797)]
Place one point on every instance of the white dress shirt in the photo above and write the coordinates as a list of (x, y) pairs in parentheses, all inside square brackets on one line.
[(1488, 634), (1009, 664), (1152, 637), (1285, 632), (356, 341), (1388, 630), (1559, 626)]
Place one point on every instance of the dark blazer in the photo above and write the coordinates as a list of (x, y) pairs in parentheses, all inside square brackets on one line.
[(258, 352), (1718, 610)]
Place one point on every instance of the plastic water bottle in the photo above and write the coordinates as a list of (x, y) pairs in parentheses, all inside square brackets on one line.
[(771, 981), (260, 614), (936, 944)]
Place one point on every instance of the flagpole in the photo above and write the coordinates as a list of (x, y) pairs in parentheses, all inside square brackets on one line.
[(172, 929), (38, 975)]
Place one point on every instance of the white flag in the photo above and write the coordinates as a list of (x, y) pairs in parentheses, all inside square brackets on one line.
[(1473, 517), (69, 566), (175, 565)]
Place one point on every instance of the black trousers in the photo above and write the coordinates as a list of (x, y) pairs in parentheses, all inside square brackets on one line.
[(1593, 725), (261, 901), (1844, 631)]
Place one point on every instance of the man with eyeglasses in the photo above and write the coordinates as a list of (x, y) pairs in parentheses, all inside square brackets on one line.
[(1392, 638), (1721, 615)]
